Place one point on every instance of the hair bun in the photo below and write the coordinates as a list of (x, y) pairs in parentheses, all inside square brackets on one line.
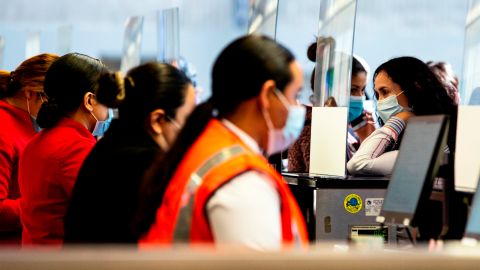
[(49, 114), (111, 89), (5, 77)]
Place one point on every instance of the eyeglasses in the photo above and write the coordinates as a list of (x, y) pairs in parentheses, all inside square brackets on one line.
[(42, 96)]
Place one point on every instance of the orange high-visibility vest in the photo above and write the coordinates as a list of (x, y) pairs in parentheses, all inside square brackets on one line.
[(215, 158)]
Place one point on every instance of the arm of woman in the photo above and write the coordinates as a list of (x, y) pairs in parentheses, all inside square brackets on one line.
[(372, 156), (9, 208)]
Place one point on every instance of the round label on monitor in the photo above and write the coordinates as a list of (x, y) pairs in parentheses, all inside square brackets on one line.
[(353, 203)]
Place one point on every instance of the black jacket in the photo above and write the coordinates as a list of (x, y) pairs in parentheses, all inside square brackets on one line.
[(105, 196)]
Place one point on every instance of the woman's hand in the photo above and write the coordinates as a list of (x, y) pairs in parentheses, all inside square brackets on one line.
[(367, 116)]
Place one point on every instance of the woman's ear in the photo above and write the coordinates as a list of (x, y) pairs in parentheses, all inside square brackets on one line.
[(88, 101), (157, 117), (265, 92), (28, 94)]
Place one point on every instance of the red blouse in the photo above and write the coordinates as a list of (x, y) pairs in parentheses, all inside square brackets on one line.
[(16, 130), (48, 170)]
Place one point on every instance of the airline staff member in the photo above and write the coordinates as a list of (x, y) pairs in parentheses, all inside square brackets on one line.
[(153, 102), (21, 95), (214, 185), (51, 161)]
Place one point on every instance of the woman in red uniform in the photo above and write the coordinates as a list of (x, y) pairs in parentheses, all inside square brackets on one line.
[(21, 94), (51, 161), (214, 185)]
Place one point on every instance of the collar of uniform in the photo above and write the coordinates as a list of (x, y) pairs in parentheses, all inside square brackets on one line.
[(16, 112), (246, 139), (82, 130)]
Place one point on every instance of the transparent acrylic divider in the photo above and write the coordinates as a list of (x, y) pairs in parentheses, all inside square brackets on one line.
[(263, 17), (467, 160), (32, 44), (132, 43), (2, 51), (64, 39), (168, 27), (328, 142)]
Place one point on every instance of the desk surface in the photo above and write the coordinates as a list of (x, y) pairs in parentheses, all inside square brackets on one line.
[(360, 258), (315, 181)]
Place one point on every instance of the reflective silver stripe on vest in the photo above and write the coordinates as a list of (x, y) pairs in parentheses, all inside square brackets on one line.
[(184, 220)]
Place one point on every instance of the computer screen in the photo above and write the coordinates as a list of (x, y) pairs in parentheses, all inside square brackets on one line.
[(419, 157)]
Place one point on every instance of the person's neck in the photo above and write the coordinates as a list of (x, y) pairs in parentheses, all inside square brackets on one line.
[(83, 118), (18, 102), (247, 121)]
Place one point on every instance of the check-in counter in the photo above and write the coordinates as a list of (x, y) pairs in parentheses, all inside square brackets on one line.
[(327, 257), (336, 209)]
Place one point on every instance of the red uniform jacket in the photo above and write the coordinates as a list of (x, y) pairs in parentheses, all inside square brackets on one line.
[(48, 170), (16, 130)]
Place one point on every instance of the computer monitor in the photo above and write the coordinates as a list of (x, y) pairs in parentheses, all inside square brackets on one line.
[(420, 155), (472, 230)]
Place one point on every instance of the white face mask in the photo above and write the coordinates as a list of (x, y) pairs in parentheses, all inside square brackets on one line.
[(388, 107), (280, 139)]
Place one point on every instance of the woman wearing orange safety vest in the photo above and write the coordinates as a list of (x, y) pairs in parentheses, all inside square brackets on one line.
[(214, 185)]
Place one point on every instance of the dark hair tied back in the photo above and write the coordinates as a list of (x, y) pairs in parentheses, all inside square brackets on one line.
[(4, 82), (66, 82), (111, 89), (13, 85), (49, 113)]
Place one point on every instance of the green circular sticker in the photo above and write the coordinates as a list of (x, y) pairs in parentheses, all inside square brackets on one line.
[(353, 203)]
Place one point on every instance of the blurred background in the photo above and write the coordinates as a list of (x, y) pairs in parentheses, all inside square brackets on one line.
[(427, 29)]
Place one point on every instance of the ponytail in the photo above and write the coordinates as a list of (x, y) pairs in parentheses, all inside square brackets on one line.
[(158, 176), (49, 114), (9, 84), (4, 82)]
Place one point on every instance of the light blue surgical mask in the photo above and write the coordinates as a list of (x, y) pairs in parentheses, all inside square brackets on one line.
[(102, 126), (280, 139), (388, 107), (355, 108), (36, 127)]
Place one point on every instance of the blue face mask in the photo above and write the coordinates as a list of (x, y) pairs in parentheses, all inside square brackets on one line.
[(280, 139), (36, 127), (355, 108), (102, 126), (388, 107)]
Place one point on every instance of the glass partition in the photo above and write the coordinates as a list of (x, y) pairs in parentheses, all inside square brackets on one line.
[(64, 39), (263, 17), (2, 48), (32, 45), (168, 35), (334, 52), (467, 160), (206, 27), (470, 86), (132, 43), (428, 30), (328, 138)]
